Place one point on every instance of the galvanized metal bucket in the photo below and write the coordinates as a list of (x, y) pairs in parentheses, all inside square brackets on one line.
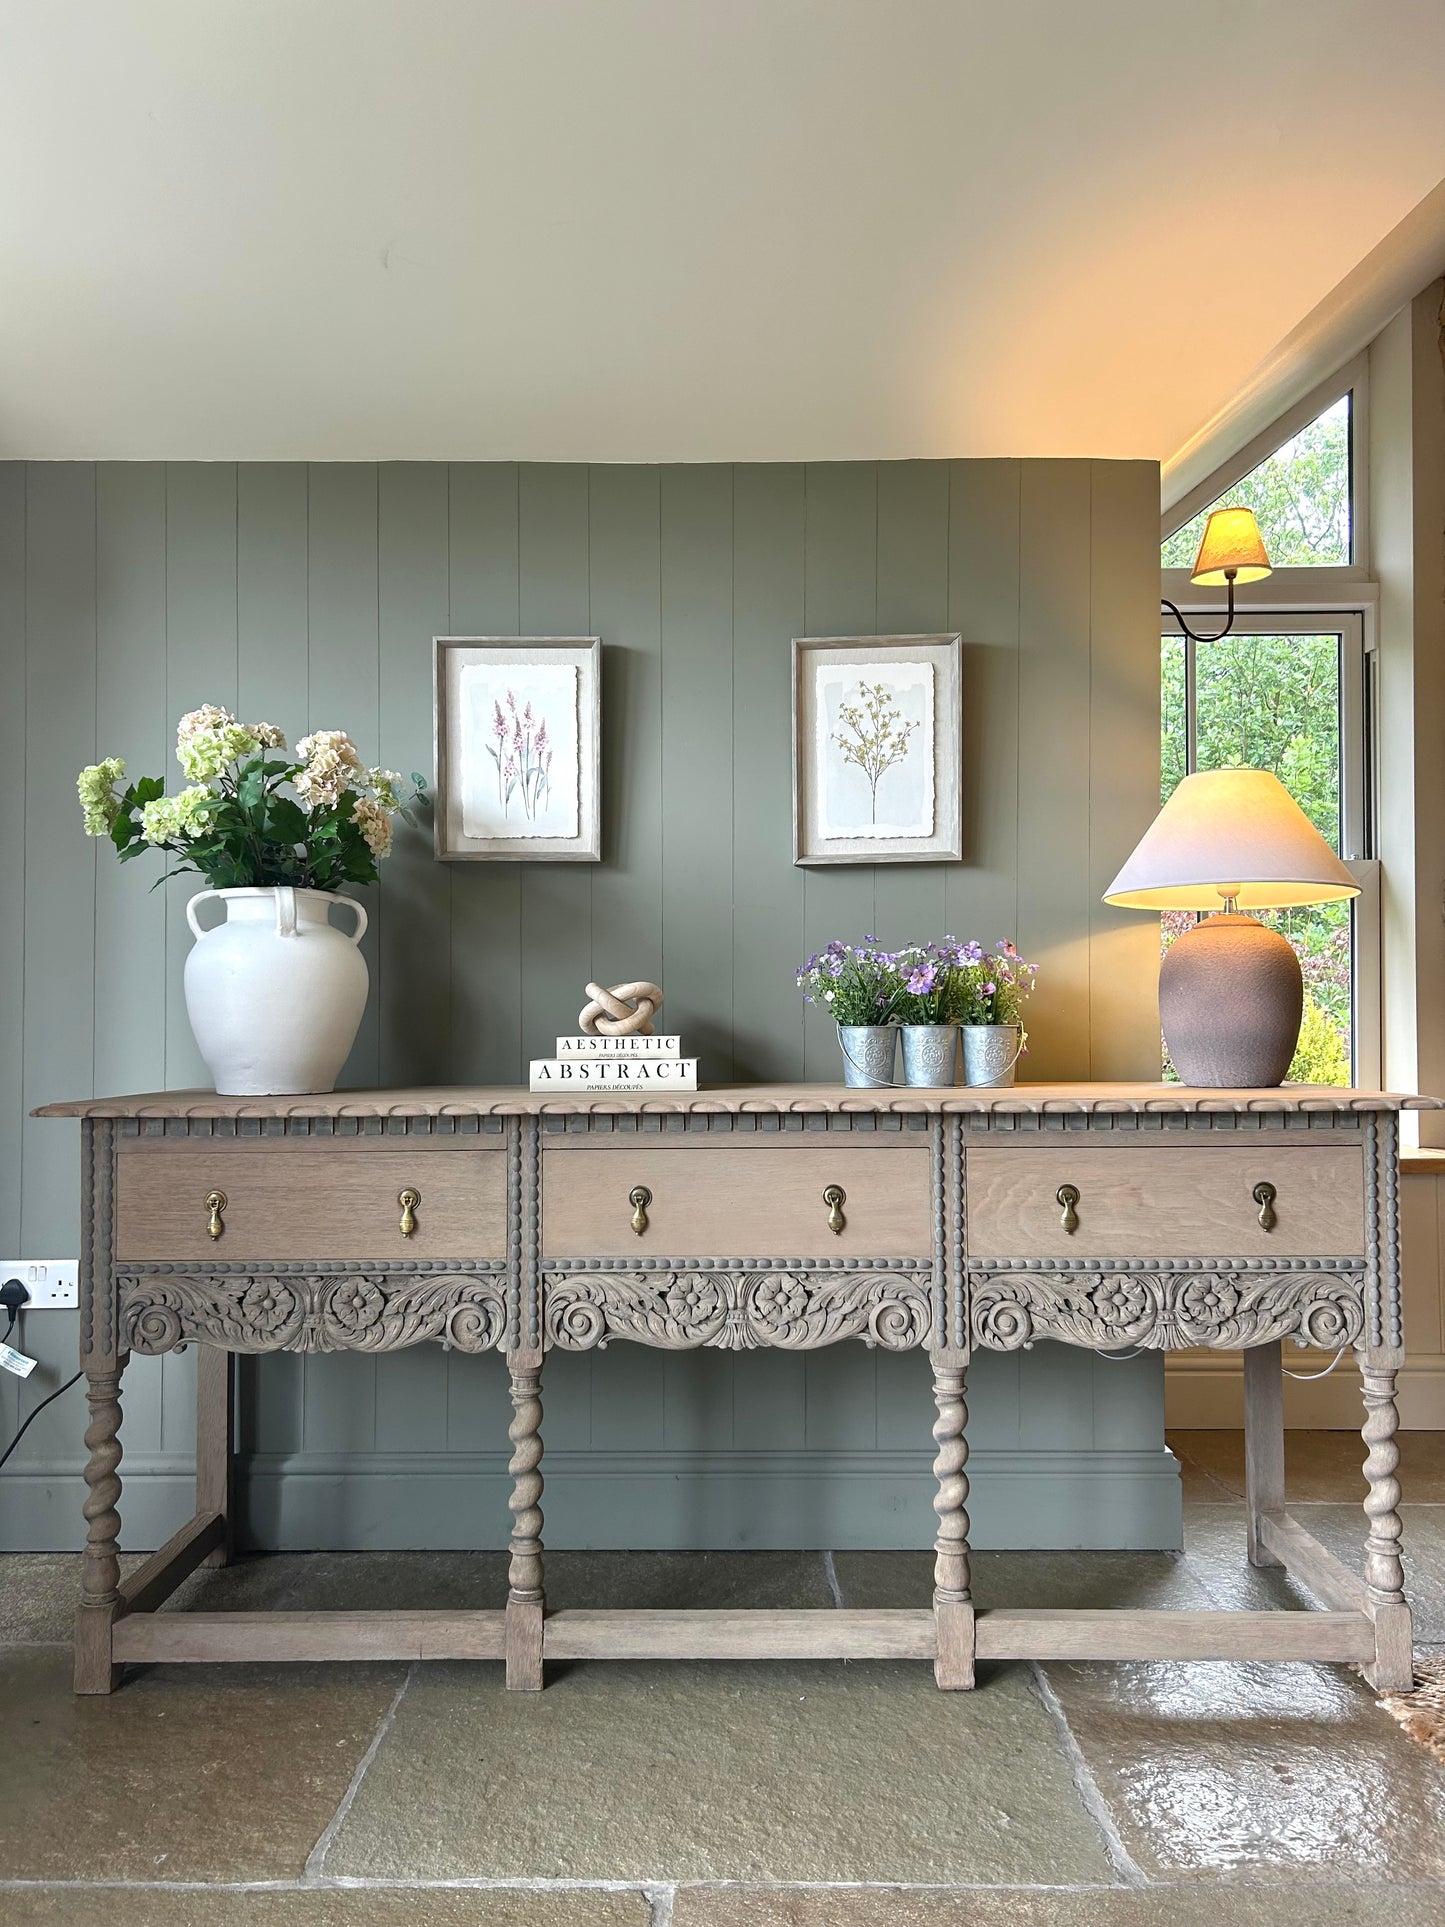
[(990, 1052), (930, 1053), (868, 1052)]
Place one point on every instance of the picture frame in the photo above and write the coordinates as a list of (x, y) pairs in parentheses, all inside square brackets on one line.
[(518, 724), (877, 749)]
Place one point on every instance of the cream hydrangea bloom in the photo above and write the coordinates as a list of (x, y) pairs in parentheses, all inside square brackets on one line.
[(267, 735), (332, 766), (206, 752), (374, 822), (208, 716), (95, 787), (169, 818)]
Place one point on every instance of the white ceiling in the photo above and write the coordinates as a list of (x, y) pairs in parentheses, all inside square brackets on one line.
[(681, 229)]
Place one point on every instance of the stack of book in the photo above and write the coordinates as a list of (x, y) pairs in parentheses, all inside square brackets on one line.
[(642, 1064)]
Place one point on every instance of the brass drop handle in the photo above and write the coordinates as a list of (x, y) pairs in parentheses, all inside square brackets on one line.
[(639, 1197), (216, 1202), (835, 1197), (408, 1200), (1068, 1196), (1264, 1196)]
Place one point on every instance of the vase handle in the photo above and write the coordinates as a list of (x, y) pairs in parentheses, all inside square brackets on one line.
[(285, 910), (350, 903), (198, 930)]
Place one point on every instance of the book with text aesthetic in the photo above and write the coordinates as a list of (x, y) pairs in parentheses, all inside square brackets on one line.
[(619, 1046)]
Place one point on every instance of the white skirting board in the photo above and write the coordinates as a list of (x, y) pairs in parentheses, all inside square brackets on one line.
[(883, 1500), (1204, 1391)]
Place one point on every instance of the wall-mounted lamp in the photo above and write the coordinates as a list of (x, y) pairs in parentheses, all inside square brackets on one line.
[(1232, 551)]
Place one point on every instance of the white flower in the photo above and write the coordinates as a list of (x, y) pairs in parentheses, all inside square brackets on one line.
[(171, 818), (205, 752), (95, 787), (267, 735), (332, 766), (208, 716), (374, 821)]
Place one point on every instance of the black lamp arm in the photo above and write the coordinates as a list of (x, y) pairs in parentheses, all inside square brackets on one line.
[(1193, 636)]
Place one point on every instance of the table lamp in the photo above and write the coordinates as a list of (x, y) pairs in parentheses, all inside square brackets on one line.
[(1230, 990)]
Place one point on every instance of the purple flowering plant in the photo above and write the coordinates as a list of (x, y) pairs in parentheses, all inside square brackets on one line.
[(930, 980), (854, 983), (994, 987)]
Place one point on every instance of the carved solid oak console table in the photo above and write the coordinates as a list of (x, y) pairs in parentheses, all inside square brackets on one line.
[(1141, 1215)]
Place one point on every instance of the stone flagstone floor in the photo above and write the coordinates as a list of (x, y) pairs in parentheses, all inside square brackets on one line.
[(798, 1795)]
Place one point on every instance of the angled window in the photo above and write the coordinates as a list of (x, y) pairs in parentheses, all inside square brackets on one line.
[(1301, 496)]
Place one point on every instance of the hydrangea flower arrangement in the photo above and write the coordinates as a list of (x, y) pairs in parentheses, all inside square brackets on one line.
[(236, 825), (855, 983)]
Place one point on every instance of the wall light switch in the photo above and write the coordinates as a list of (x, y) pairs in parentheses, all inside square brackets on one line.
[(53, 1283)]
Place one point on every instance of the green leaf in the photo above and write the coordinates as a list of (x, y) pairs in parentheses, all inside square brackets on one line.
[(149, 789)]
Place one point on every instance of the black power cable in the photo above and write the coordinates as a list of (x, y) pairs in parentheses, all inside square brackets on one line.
[(13, 1296), (35, 1415)]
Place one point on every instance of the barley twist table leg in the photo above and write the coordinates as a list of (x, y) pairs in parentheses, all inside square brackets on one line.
[(1393, 1668), (952, 1600), (100, 1565), (525, 1599)]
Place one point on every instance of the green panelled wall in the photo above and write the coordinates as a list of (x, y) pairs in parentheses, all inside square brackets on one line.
[(308, 596)]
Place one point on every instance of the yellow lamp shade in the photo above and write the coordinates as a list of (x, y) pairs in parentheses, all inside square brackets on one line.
[(1231, 833), (1232, 542)]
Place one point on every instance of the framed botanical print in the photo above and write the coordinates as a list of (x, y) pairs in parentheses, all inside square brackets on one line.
[(518, 763), (877, 749)]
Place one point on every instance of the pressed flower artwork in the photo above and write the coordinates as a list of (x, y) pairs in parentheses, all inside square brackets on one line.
[(875, 754), (517, 736), (877, 749)]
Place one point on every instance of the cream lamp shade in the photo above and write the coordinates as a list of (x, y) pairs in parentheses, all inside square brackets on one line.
[(1232, 550), (1231, 834)]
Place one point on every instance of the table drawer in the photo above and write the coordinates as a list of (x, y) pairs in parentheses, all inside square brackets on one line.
[(328, 1199), (722, 1201), (1165, 1201)]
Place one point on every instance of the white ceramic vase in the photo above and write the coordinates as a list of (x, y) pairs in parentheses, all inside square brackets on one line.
[(275, 993)]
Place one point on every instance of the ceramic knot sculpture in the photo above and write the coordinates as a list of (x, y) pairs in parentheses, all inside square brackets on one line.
[(624, 1010)]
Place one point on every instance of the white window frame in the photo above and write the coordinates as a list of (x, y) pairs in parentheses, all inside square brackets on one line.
[(1355, 626), (1294, 588)]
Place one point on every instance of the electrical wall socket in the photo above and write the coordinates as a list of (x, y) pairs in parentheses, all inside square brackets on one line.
[(53, 1283)]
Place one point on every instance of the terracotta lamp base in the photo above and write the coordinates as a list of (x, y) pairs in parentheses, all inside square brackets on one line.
[(1230, 1001)]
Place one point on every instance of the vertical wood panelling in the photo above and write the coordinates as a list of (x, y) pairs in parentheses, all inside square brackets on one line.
[(981, 894), (271, 612), (414, 994), (1054, 762), (553, 550), (309, 597), (13, 1129), (59, 900), (840, 599), (909, 899), (130, 917), (624, 537), (697, 761), (1123, 744), (200, 651), (486, 898), (12, 850), (768, 520), (343, 660)]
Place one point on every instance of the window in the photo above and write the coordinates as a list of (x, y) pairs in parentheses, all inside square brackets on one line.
[(1302, 497), (1287, 692)]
